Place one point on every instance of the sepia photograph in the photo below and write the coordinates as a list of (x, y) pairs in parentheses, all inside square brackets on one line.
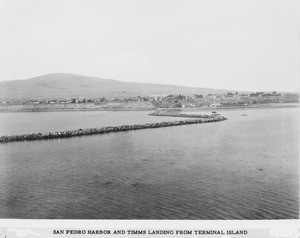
[(149, 110)]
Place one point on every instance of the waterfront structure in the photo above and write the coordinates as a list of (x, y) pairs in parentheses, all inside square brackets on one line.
[(104, 130)]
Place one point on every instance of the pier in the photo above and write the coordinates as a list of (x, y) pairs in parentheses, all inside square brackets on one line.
[(105, 130)]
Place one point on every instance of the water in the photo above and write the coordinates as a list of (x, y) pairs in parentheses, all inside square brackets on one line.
[(244, 168)]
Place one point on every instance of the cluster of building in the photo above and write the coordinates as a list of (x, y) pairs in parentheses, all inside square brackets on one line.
[(156, 99), (72, 100)]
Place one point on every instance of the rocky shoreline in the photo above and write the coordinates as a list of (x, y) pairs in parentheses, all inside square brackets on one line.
[(104, 130)]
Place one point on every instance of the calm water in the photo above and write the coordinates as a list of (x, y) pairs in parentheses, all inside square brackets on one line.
[(244, 168)]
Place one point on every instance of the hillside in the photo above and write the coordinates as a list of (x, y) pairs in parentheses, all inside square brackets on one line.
[(63, 86)]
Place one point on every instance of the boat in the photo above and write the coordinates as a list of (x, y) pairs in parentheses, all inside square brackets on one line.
[(214, 113)]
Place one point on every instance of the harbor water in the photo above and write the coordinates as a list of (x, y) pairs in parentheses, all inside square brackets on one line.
[(246, 167)]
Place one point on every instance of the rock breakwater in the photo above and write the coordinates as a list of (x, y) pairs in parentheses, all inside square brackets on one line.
[(164, 114), (104, 130)]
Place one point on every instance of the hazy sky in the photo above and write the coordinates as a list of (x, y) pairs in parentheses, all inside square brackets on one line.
[(230, 44)]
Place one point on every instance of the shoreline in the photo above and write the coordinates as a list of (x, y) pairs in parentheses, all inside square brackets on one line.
[(78, 110), (21, 108)]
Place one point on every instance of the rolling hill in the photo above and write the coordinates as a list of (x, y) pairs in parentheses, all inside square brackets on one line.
[(64, 86)]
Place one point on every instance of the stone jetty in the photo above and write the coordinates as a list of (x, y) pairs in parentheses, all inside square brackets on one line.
[(171, 114), (104, 130)]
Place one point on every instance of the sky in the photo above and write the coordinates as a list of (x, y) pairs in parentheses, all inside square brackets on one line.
[(250, 45)]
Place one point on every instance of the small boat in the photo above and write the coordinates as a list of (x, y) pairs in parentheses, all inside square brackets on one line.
[(214, 113), (244, 115)]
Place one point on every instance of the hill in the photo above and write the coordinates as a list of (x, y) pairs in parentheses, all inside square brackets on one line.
[(64, 86)]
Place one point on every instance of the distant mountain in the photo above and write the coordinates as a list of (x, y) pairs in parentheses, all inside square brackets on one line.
[(64, 86)]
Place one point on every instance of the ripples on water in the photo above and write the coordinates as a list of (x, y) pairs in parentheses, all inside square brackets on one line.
[(242, 168)]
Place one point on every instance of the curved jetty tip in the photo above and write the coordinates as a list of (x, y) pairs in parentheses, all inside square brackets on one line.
[(102, 130)]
